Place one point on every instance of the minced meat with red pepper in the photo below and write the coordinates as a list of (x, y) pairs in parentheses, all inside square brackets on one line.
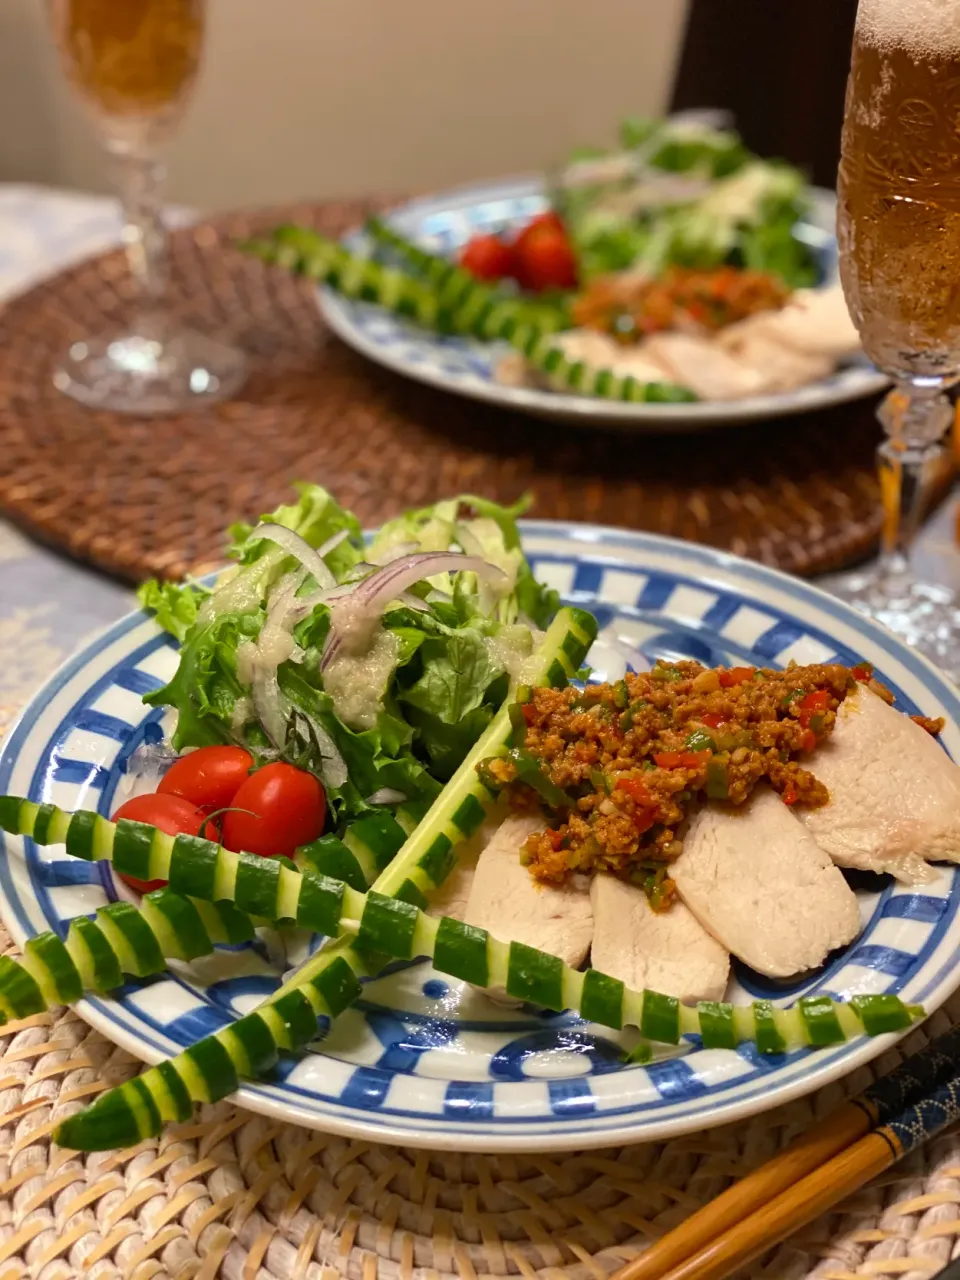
[(622, 765)]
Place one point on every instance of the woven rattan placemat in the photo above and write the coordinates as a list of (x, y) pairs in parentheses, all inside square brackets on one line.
[(237, 1196), (146, 497)]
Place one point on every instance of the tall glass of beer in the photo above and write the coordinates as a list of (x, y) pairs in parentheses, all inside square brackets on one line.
[(898, 228), (133, 64)]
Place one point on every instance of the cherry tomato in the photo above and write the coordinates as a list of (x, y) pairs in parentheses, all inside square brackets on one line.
[(171, 814), (487, 258), (209, 777), (550, 219), (286, 808), (543, 258)]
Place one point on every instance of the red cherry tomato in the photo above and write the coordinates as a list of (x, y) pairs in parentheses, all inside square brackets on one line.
[(550, 219), (209, 777), (543, 258), (171, 814), (286, 808), (487, 258)]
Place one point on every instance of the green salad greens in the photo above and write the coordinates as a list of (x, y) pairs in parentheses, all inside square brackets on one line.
[(680, 192), (377, 666)]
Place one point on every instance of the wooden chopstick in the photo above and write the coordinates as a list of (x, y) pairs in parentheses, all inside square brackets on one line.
[(818, 1150), (789, 1211)]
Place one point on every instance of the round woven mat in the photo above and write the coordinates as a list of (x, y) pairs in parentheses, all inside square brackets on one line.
[(142, 497), (237, 1196)]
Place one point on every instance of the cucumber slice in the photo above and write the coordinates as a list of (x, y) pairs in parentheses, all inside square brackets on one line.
[(177, 924), (882, 1013), (49, 961), (380, 835), (534, 976), (660, 1018), (768, 1037), (257, 885), (602, 999), (717, 1029), (20, 993), (193, 867), (133, 849), (99, 967), (213, 1070), (820, 1019), (331, 857), (387, 924), (320, 904), (133, 941), (225, 922), (257, 1044)]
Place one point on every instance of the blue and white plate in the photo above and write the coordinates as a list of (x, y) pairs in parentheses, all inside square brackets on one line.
[(444, 223), (421, 1059)]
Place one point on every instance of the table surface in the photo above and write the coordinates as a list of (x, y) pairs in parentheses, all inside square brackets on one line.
[(49, 604)]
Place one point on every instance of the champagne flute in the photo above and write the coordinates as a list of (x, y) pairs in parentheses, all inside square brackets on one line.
[(133, 63), (898, 228)]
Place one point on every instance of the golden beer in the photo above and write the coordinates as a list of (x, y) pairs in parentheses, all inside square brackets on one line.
[(130, 58), (899, 187)]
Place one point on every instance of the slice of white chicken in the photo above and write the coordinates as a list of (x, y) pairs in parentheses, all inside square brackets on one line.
[(506, 900), (452, 896), (666, 951), (703, 366), (760, 884), (894, 793)]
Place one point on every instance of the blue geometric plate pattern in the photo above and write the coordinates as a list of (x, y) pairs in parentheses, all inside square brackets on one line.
[(444, 223), (421, 1059)]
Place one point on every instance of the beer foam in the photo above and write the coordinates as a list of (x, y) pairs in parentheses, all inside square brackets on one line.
[(924, 28)]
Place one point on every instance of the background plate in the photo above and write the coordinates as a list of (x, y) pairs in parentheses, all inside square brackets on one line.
[(420, 1060), (464, 366)]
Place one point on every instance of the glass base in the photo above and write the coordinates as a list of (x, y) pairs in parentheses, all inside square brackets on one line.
[(923, 615), (150, 371)]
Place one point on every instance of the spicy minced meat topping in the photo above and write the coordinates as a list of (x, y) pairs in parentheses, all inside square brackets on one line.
[(623, 765)]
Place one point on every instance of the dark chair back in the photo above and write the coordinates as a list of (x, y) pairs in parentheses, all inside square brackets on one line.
[(780, 66)]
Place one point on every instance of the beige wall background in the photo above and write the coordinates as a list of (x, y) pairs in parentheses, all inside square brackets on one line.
[(330, 97)]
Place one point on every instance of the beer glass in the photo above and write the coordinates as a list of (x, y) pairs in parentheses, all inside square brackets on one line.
[(133, 64), (898, 228)]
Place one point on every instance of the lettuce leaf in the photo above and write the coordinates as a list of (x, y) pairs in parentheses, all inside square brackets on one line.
[(450, 673), (174, 604), (316, 516)]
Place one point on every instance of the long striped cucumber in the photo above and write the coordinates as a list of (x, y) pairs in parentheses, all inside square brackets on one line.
[(119, 940), (310, 254), (452, 309), (455, 303), (212, 1068), (475, 301), (273, 890)]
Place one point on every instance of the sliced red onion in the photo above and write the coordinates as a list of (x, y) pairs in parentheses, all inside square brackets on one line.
[(271, 706), (386, 795), (386, 584), (299, 548)]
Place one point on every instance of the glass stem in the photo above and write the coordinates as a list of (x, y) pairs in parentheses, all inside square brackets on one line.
[(915, 424), (140, 182)]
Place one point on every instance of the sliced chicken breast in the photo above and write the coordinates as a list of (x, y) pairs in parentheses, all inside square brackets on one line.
[(784, 367), (760, 884), (667, 951), (894, 793), (451, 898), (704, 367), (505, 899)]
